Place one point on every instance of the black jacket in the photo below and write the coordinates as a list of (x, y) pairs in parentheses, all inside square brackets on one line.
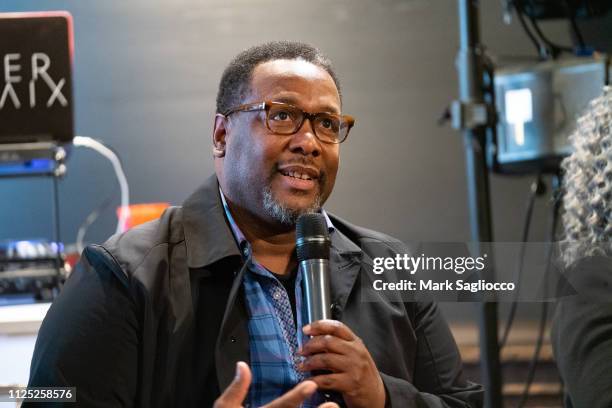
[(155, 317), (582, 334)]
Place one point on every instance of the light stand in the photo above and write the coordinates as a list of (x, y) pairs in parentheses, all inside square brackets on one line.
[(473, 115)]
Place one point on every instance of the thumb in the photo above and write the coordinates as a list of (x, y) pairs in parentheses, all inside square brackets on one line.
[(236, 392)]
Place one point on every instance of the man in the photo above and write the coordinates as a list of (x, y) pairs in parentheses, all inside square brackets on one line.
[(160, 315)]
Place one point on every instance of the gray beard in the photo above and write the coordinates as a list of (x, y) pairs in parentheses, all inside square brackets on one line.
[(285, 215)]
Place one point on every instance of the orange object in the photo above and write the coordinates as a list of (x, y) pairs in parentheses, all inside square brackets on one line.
[(137, 214)]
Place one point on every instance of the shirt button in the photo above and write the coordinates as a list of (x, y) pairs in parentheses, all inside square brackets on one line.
[(246, 251), (335, 310), (233, 339), (276, 295)]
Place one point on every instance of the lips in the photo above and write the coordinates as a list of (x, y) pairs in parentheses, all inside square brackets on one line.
[(300, 172), (300, 177)]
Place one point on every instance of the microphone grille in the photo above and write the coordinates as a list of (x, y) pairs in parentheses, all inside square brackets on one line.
[(311, 224), (312, 237)]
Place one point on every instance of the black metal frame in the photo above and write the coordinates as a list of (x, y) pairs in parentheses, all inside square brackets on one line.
[(470, 68), (57, 155)]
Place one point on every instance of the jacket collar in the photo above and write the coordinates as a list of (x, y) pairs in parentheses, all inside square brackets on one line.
[(342, 244), (208, 237)]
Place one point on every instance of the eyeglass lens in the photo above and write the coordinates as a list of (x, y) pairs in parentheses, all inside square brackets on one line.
[(287, 120)]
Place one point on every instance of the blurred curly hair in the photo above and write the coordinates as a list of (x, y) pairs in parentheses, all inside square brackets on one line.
[(587, 184)]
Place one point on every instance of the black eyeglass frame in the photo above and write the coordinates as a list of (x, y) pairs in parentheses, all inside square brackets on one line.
[(266, 105)]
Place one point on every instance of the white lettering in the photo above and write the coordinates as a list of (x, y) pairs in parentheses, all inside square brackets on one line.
[(57, 94), (402, 285), (416, 262), (8, 68), (437, 286), (378, 269), (40, 64), (40, 70), (9, 91), (32, 94), (389, 263)]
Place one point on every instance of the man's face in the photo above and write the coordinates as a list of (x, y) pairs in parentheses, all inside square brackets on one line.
[(277, 177)]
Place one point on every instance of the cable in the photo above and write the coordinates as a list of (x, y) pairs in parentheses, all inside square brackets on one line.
[(574, 25), (536, 189), (84, 141), (519, 12), (544, 313), (554, 48), (544, 46), (91, 218)]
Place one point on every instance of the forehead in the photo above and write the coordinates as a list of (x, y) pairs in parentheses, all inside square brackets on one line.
[(295, 81)]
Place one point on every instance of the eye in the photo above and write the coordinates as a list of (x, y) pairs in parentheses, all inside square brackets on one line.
[(281, 115), (327, 123)]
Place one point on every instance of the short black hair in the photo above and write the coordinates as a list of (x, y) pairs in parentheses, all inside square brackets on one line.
[(236, 78)]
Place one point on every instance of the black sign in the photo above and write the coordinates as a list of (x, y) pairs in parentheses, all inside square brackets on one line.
[(36, 77)]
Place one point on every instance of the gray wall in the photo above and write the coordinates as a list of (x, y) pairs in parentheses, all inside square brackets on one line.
[(146, 74)]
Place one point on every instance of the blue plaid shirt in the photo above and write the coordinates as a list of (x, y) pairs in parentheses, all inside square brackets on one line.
[(273, 337)]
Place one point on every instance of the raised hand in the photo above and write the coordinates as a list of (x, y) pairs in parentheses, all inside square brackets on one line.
[(236, 392)]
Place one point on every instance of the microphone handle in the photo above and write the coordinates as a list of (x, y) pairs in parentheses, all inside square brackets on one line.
[(315, 278)]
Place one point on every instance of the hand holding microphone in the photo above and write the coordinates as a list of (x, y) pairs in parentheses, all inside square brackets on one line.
[(337, 358), (347, 363)]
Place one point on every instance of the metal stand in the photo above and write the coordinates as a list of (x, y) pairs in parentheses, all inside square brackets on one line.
[(473, 118), (51, 163)]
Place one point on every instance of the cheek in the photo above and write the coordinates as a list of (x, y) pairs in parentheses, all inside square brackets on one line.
[(332, 159), (239, 142), (251, 157)]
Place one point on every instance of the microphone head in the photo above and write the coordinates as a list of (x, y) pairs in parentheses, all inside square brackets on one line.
[(312, 237)]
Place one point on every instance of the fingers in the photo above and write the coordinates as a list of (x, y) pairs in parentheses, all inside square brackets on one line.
[(336, 381), (236, 392), (324, 344), (333, 327), (326, 361), (295, 397)]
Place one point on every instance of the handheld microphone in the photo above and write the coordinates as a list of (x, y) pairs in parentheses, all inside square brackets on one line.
[(312, 245)]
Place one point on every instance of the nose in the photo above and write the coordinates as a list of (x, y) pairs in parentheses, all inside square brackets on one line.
[(304, 141)]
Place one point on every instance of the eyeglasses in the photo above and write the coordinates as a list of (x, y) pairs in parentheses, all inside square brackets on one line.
[(285, 119)]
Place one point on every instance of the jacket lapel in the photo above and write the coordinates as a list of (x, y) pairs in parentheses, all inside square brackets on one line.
[(208, 237), (209, 240), (233, 340), (345, 264)]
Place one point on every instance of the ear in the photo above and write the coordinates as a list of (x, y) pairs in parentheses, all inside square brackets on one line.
[(219, 133)]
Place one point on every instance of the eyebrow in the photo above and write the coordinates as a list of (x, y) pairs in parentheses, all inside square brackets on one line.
[(292, 101)]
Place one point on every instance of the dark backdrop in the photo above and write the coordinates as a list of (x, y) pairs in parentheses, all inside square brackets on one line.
[(145, 80)]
